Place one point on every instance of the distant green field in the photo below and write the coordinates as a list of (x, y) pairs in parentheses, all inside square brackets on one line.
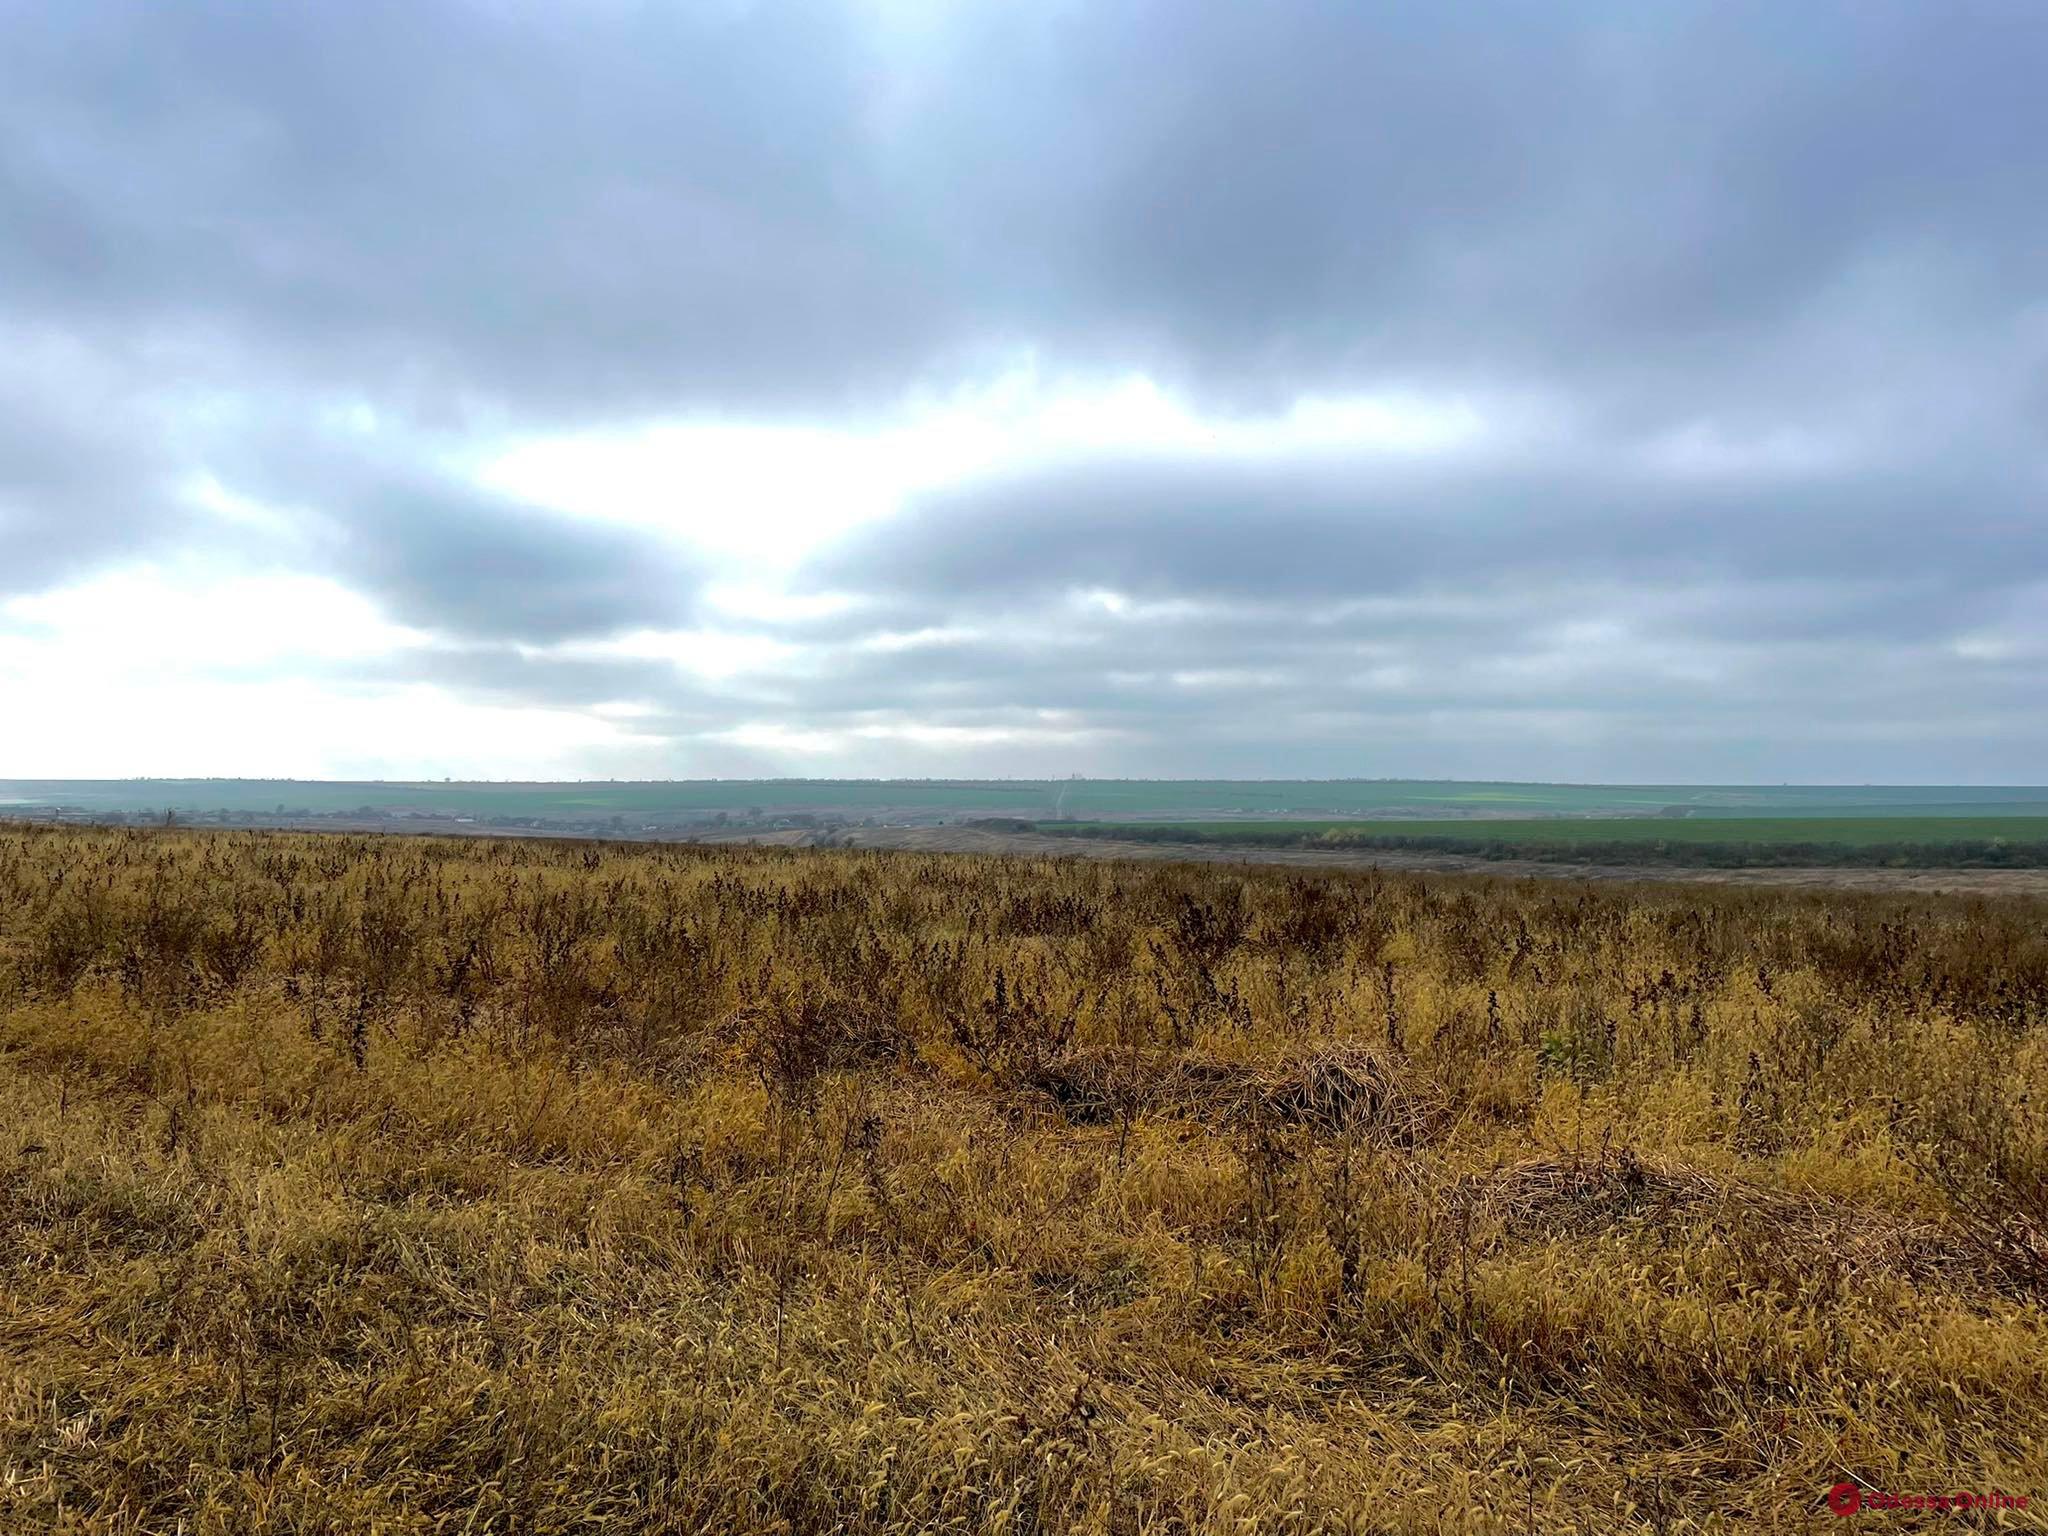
[(1758, 829), (1193, 800), (1984, 841)]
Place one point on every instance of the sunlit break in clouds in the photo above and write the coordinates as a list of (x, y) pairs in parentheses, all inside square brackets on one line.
[(1590, 392)]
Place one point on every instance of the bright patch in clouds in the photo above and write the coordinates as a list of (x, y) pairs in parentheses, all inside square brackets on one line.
[(707, 653), (250, 675), (149, 619), (766, 494), (1056, 731), (772, 605), (292, 728)]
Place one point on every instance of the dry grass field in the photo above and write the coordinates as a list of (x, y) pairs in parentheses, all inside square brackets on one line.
[(408, 1185)]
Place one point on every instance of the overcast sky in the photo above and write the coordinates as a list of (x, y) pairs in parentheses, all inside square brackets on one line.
[(1619, 392)]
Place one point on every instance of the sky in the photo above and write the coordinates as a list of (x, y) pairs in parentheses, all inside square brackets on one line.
[(484, 388)]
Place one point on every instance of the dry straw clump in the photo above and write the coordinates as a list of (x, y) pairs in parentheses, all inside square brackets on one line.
[(410, 1186)]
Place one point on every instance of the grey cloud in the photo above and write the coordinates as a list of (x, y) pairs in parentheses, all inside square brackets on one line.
[(90, 471), (476, 220), (80, 471), (449, 558), (1336, 607), (1335, 530), (784, 205), (1668, 197), (515, 202), (662, 702)]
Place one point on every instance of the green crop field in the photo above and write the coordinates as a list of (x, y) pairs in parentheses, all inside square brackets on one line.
[(1029, 799), (1925, 840), (1583, 830)]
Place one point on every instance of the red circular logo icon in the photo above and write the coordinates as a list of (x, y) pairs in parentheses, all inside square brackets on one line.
[(1845, 1498)]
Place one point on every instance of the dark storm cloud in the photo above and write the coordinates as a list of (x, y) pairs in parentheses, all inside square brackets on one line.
[(1735, 224)]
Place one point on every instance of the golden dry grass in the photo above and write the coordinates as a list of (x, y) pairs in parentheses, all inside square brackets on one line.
[(405, 1185)]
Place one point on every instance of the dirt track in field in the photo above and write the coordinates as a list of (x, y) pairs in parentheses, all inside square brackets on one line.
[(1975, 882)]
